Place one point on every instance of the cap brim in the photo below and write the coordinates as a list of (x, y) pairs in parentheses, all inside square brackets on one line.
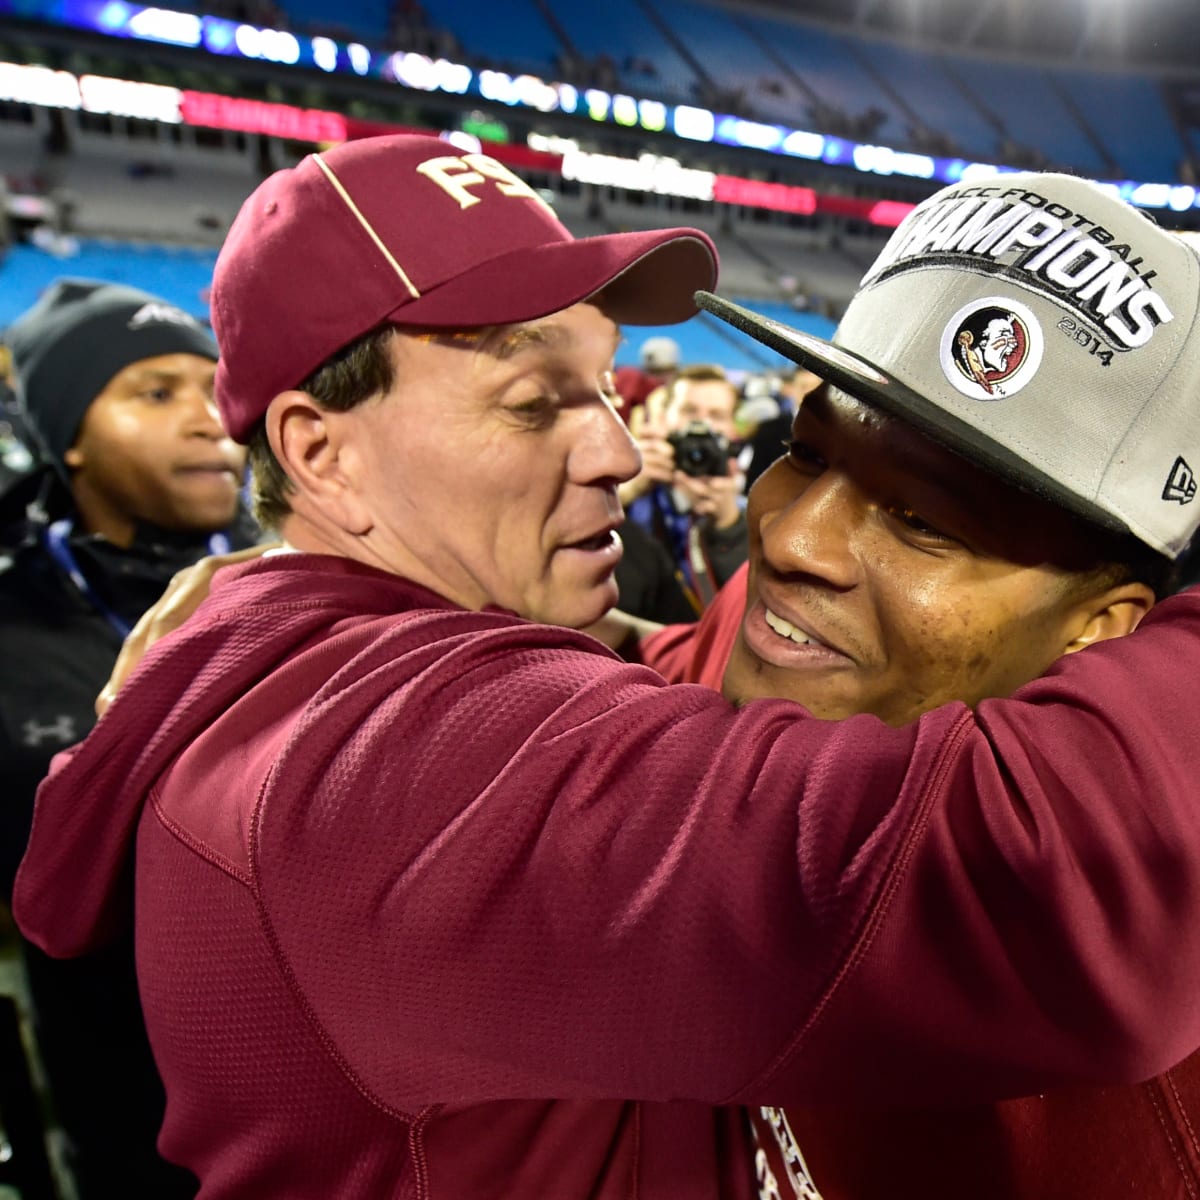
[(645, 278), (866, 381)]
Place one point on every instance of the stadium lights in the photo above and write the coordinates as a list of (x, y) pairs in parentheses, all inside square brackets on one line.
[(649, 173), (218, 35), (661, 174)]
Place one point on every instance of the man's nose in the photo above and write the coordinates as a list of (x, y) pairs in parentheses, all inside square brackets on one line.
[(203, 419), (818, 533), (604, 450)]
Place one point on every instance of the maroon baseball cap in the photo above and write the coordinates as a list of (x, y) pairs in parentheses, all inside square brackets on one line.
[(413, 230)]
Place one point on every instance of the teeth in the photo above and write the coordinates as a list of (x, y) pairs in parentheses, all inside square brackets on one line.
[(787, 629)]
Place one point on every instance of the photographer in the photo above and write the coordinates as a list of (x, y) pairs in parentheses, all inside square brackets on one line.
[(689, 493)]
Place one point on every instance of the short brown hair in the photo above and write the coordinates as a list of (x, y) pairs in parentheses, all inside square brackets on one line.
[(355, 373), (699, 373)]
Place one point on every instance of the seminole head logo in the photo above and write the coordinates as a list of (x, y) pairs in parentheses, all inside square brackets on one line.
[(991, 348)]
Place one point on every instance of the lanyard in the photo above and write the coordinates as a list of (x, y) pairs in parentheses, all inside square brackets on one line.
[(60, 550), (691, 562)]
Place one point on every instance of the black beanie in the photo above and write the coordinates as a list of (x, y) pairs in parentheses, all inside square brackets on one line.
[(80, 333)]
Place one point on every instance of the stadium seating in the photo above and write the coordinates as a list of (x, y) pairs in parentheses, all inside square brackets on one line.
[(513, 36), (182, 275), (798, 73), (1130, 114), (134, 198), (928, 96)]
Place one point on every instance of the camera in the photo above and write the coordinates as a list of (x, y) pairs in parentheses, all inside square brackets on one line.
[(700, 450)]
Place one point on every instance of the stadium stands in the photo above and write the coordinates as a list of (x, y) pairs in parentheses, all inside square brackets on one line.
[(619, 33), (181, 274), (735, 58), (1027, 110), (368, 20), (173, 186), (513, 36), (1130, 113), (928, 95), (820, 60)]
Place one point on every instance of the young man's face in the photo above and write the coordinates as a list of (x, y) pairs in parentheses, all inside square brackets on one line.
[(889, 576), (151, 448), (490, 469), (712, 401)]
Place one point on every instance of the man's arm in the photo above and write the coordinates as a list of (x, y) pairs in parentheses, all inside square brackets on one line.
[(653, 896), (184, 594), (551, 874), (623, 632), (698, 653)]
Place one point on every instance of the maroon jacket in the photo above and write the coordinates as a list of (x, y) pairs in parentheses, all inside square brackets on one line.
[(1103, 1143), (402, 871)]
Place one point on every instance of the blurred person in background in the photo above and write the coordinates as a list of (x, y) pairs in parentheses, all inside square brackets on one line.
[(649, 583), (769, 437), (658, 361), (135, 480), (16, 457), (689, 493), (758, 403)]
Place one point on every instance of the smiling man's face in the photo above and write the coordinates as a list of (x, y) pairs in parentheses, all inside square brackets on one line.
[(888, 575)]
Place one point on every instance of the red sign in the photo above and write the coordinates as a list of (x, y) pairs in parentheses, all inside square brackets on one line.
[(257, 116), (754, 193)]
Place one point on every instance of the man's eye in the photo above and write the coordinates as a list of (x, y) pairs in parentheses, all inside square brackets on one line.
[(801, 454), (535, 410), (914, 522), (159, 395)]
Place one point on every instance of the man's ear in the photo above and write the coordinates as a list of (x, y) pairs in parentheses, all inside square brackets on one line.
[(314, 450), (1111, 614)]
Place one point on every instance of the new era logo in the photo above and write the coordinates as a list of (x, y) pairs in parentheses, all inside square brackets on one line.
[(1181, 484)]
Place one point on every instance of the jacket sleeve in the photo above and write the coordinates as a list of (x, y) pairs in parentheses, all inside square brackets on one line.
[(698, 653), (528, 872), (670, 651)]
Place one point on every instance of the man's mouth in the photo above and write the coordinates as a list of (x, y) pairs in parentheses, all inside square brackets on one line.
[(606, 539), (782, 643), (213, 468), (788, 630)]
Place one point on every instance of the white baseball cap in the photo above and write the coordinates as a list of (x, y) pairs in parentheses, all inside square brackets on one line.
[(659, 354), (1041, 327)]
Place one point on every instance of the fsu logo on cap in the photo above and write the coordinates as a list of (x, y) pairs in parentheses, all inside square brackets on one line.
[(991, 348)]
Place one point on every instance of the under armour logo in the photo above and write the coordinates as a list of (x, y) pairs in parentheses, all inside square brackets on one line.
[(62, 730), (1181, 484), (157, 313)]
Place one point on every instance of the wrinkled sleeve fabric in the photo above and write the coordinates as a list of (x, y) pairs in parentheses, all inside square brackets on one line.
[(525, 871)]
